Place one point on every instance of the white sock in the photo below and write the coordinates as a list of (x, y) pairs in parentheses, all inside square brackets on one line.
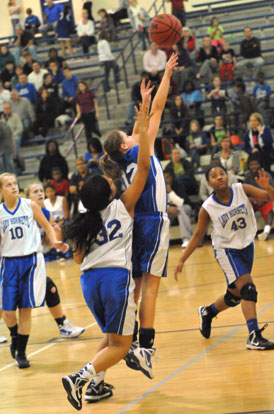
[(99, 377), (267, 228), (88, 372)]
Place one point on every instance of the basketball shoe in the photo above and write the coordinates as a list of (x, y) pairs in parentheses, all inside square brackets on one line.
[(95, 393), (3, 339), (205, 321), (142, 359), (256, 341), (131, 362), (67, 330), (73, 385), (21, 360)]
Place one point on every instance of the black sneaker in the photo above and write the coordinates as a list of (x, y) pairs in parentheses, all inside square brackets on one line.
[(256, 341), (206, 319), (95, 393), (73, 385), (13, 350), (130, 358), (22, 361)]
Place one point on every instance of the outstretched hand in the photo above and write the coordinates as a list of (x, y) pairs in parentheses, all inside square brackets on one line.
[(146, 91), (142, 116), (263, 179), (171, 64)]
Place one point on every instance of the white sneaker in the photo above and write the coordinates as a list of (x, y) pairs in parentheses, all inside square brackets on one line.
[(3, 339), (263, 236), (142, 358), (67, 330), (185, 243)]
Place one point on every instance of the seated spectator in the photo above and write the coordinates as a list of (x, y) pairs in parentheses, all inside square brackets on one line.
[(136, 98), (189, 42), (69, 88), (24, 40), (218, 97), (56, 72), (57, 205), (26, 89), (183, 171), (217, 133), (106, 25), (227, 62), (8, 73), (86, 31), (65, 28), (52, 159), (7, 147), (243, 104), (264, 207), (154, 61), (77, 180), (53, 55), (51, 14), (205, 190), (193, 100), (120, 12), (262, 93), (4, 56), (215, 31), (106, 60), (45, 113), (252, 61), (15, 78), (258, 139), (4, 96), (14, 123), (139, 20), (60, 185), (209, 58), (94, 152), (229, 158), (87, 5), (197, 143), (36, 77), (27, 66), (184, 69), (50, 85), (23, 108), (179, 115), (32, 22), (178, 207)]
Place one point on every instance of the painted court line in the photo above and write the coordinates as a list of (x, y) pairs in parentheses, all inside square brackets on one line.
[(186, 365)]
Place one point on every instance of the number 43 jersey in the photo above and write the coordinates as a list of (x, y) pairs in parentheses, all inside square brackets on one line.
[(234, 224), (112, 247), (19, 231)]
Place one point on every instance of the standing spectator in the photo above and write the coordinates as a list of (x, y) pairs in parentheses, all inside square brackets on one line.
[(228, 158), (106, 59), (14, 12), (60, 185), (154, 61), (8, 73), (24, 40), (106, 25), (7, 148), (32, 22), (258, 139), (252, 61), (36, 77), (218, 97), (197, 143), (23, 108), (189, 42), (178, 10), (52, 159), (215, 31), (184, 69), (227, 62), (139, 20), (69, 88), (4, 56), (51, 15), (56, 72), (262, 92), (14, 123), (4, 96), (85, 31), (27, 66), (217, 133), (45, 113), (87, 109), (179, 115), (87, 5), (193, 100), (53, 55), (15, 78), (64, 28), (208, 57), (26, 89), (120, 12)]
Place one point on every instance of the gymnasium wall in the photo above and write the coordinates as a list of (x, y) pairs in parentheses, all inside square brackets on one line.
[(5, 26)]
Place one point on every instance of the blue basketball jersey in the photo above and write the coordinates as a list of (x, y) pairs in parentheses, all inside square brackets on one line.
[(154, 196)]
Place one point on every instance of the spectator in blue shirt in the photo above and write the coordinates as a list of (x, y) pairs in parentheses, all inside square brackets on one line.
[(32, 22), (26, 90), (193, 99), (56, 72), (262, 92), (51, 15), (69, 88)]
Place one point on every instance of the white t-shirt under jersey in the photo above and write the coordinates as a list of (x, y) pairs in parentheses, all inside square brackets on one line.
[(56, 209)]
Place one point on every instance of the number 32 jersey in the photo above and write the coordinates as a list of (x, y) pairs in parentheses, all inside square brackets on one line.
[(19, 231), (234, 224), (112, 247)]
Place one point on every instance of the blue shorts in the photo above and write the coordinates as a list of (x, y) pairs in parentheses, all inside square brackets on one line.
[(150, 244), (234, 262), (23, 281), (108, 292)]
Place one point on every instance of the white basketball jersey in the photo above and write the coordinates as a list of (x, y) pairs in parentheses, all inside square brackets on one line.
[(112, 247), (19, 231), (57, 209), (234, 224)]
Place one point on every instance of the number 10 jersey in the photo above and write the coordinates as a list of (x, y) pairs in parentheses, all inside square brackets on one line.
[(234, 224)]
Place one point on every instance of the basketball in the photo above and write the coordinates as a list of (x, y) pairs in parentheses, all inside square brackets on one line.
[(165, 30)]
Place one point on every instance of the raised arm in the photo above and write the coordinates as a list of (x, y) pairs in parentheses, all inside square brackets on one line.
[(267, 194)]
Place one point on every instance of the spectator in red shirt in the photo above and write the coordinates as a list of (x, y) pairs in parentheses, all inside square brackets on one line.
[(87, 109), (178, 10), (189, 42), (60, 185)]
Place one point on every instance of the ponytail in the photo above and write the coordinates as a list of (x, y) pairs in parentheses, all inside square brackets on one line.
[(109, 167), (112, 147)]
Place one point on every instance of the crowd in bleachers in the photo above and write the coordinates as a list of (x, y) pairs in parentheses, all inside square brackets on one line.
[(36, 95)]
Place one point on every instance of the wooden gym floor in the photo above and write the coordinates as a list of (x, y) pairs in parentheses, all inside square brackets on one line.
[(192, 375)]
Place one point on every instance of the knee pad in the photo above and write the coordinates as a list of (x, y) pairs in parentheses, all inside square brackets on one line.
[(249, 292), (52, 295), (231, 300)]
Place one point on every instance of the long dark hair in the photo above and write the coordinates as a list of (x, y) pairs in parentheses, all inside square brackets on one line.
[(112, 147), (84, 228)]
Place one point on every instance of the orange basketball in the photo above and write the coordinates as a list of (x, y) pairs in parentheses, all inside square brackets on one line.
[(165, 30)]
